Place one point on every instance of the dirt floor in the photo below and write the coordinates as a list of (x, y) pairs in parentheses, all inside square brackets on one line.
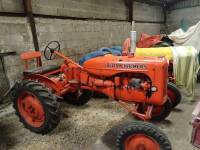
[(77, 132), (87, 127)]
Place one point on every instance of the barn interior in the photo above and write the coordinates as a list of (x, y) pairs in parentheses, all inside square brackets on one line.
[(81, 28)]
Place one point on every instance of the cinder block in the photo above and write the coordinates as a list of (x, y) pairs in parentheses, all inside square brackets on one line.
[(175, 17), (12, 6), (49, 3), (146, 12), (46, 10)]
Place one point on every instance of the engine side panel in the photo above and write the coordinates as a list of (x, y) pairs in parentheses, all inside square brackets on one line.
[(109, 67)]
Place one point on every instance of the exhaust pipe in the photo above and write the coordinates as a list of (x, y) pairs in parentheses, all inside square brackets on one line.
[(133, 39)]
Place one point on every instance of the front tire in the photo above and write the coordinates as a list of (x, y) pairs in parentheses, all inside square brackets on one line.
[(142, 135), (36, 107), (173, 94), (161, 112)]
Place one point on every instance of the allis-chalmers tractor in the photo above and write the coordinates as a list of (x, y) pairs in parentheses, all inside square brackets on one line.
[(138, 84)]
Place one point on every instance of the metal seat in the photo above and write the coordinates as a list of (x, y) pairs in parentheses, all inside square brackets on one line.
[(42, 70)]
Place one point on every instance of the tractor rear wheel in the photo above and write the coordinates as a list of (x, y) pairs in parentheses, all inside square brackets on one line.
[(142, 136), (173, 94), (161, 112), (79, 97), (36, 107)]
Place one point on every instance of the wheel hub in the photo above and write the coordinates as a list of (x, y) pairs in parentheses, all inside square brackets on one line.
[(31, 109), (141, 142), (141, 147)]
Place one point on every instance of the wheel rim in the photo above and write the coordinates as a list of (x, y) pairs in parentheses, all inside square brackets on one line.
[(31, 109), (171, 95), (141, 142)]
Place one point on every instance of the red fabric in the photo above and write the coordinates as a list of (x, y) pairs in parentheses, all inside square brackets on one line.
[(126, 46), (147, 41)]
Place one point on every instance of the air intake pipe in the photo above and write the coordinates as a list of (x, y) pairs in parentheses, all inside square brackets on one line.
[(133, 39)]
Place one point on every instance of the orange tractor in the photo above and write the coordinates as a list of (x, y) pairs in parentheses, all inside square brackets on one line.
[(138, 84)]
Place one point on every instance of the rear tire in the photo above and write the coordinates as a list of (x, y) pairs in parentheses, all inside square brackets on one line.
[(36, 107), (132, 137), (78, 98), (173, 94)]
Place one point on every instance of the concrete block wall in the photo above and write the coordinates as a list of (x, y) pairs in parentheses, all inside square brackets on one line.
[(11, 6), (185, 10), (15, 36), (78, 38), (146, 12), (109, 9)]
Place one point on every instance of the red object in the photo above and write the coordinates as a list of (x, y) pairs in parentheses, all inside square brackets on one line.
[(30, 55), (171, 95), (157, 110), (147, 41), (141, 142), (126, 47), (195, 140), (31, 109), (113, 76)]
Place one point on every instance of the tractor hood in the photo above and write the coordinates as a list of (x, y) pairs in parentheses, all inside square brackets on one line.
[(110, 65)]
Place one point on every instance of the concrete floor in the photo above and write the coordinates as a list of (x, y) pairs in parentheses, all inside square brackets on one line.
[(176, 127), (93, 127)]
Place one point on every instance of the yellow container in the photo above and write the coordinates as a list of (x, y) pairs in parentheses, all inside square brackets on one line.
[(159, 52)]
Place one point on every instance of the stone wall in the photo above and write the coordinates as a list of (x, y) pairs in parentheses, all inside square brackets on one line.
[(81, 37), (15, 36), (14, 6), (109, 9), (187, 10), (145, 12)]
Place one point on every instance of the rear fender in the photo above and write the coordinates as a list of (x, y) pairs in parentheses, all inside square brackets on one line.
[(47, 81)]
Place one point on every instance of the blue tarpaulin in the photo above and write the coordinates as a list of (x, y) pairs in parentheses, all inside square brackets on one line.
[(115, 50)]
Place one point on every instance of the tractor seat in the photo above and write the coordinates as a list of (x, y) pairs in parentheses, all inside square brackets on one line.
[(42, 70)]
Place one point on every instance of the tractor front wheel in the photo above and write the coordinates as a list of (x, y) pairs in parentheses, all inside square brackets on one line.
[(161, 112), (173, 94), (142, 136), (78, 98), (36, 107)]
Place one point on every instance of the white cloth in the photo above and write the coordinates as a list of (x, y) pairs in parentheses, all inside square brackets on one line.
[(189, 38), (186, 66)]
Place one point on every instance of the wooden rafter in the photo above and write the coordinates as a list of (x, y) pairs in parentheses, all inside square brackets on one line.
[(28, 11)]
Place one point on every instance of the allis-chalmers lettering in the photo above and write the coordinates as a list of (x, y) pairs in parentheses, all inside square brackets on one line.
[(126, 66)]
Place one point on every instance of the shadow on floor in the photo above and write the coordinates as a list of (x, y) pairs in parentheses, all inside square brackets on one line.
[(7, 139), (109, 139), (177, 110)]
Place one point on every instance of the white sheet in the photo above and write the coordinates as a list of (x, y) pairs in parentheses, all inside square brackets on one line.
[(189, 38)]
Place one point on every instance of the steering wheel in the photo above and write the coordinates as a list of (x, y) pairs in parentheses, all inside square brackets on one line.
[(50, 49)]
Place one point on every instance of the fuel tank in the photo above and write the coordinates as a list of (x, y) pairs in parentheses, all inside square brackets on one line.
[(109, 65)]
